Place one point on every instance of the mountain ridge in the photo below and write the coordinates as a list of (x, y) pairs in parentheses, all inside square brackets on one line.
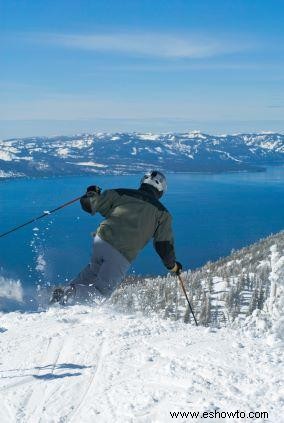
[(130, 153)]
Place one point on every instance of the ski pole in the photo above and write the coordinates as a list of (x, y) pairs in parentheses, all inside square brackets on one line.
[(47, 213), (184, 291)]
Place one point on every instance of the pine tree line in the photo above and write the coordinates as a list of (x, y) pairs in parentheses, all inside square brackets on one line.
[(242, 278)]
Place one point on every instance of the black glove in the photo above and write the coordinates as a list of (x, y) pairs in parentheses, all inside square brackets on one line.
[(177, 268), (92, 190)]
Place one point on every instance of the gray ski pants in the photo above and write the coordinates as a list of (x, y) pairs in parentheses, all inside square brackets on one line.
[(103, 274)]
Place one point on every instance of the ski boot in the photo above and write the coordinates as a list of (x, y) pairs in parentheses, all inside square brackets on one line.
[(69, 294), (63, 295), (56, 295)]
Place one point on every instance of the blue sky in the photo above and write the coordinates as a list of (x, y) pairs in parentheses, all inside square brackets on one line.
[(114, 65)]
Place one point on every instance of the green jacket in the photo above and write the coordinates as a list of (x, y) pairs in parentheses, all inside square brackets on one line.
[(132, 218)]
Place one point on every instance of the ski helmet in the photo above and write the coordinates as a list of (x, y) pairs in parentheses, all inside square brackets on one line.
[(156, 179)]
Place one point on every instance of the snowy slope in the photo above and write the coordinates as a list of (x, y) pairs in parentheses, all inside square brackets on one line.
[(135, 360), (81, 364), (128, 153)]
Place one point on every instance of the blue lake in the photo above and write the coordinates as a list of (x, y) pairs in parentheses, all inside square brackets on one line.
[(213, 214)]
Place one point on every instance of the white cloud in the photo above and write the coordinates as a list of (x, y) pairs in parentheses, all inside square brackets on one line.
[(158, 45)]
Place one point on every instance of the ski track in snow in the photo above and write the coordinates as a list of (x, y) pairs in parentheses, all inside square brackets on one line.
[(81, 365)]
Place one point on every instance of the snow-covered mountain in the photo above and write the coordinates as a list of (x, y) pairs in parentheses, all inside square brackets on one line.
[(248, 282), (126, 153), (97, 364)]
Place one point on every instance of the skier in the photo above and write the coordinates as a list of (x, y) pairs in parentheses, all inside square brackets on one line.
[(132, 218)]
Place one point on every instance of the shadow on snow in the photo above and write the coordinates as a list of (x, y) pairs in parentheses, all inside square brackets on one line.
[(50, 375)]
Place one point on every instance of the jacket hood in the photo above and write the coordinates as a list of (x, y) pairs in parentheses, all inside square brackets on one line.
[(151, 190)]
